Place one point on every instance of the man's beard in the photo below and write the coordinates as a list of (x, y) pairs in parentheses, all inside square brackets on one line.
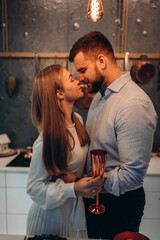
[(96, 86)]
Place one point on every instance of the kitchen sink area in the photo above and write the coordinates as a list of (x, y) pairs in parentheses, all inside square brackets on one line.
[(19, 161)]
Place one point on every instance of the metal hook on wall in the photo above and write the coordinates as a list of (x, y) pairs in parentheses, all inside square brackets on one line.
[(126, 61)]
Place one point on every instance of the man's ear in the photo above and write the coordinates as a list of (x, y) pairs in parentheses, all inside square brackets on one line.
[(101, 61), (60, 95)]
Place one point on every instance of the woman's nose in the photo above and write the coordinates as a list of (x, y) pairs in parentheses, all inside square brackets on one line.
[(76, 81)]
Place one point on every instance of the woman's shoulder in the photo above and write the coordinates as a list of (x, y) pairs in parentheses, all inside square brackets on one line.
[(79, 117), (37, 150), (38, 142)]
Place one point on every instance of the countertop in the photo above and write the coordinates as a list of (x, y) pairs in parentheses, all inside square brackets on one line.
[(154, 165), (5, 160), (11, 237), (19, 237), (153, 169)]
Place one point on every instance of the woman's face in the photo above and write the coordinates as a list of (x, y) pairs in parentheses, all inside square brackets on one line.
[(71, 90)]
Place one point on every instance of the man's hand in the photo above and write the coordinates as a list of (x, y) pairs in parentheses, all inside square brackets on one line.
[(104, 191), (66, 176)]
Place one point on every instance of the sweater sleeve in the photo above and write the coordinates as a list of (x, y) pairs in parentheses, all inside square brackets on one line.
[(44, 192)]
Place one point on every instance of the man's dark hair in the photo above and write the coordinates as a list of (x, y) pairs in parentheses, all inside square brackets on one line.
[(93, 42)]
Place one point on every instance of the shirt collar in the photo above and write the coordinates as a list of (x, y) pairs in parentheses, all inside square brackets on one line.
[(119, 82), (102, 92)]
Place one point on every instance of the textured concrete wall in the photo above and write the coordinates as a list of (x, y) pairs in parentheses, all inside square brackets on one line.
[(53, 26)]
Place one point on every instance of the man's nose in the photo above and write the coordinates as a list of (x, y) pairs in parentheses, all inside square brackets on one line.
[(81, 77)]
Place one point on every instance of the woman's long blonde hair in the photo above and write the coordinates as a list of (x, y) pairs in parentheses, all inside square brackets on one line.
[(48, 116)]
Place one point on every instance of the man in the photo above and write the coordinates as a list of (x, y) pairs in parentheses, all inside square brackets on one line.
[(122, 121)]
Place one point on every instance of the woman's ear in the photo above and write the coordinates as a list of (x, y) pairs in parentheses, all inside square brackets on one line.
[(60, 95), (101, 61)]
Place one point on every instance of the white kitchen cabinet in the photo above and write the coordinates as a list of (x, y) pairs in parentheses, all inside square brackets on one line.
[(18, 202), (151, 228), (14, 201), (2, 179), (152, 208), (16, 224), (3, 226), (2, 200), (152, 183), (16, 179), (150, 225)]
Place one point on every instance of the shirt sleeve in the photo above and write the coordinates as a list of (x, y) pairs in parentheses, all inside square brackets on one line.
[(134, 128), (44, 192)]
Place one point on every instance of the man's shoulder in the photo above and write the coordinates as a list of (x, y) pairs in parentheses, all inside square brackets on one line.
[(132, 91)]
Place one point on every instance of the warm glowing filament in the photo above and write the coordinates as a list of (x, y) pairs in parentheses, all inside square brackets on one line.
[(95, 10)]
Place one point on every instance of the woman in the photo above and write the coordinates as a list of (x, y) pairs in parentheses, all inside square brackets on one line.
[(58, 158)]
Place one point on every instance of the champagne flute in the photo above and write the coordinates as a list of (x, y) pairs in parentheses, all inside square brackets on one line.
[(98, 161)]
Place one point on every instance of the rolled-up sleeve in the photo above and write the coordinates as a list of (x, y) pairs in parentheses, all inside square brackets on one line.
[(135, 125)]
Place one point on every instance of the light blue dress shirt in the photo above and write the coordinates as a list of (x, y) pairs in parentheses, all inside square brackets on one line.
[(122, 122)]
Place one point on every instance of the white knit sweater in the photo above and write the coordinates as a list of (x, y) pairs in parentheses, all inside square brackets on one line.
[(56, 209)]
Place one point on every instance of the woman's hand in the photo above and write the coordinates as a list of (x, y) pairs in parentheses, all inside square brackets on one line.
[(88, 187)]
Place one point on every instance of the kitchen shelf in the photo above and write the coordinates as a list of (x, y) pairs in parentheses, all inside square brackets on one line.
[(64, 55)]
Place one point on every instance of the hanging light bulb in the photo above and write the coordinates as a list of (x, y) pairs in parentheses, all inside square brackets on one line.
[(95, 10)]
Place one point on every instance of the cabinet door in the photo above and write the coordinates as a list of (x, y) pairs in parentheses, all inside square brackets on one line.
[(152, 208), (152, 183), (16, 179), (150, 228), (2, 179), (18, 202), (3, 229), (2, 200), (16, 224)]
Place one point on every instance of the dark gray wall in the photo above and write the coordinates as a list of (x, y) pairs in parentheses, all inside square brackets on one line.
[(50, 26)]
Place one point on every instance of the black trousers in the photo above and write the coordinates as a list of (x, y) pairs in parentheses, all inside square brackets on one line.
[(122, 213)]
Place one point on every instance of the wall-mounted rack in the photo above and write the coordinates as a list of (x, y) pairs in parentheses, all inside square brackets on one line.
[(65, 55)]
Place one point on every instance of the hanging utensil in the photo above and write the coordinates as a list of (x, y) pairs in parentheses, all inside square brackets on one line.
[(11, 82), (143, 70)]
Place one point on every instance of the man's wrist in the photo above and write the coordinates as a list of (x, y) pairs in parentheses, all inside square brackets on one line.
[(103, 191)]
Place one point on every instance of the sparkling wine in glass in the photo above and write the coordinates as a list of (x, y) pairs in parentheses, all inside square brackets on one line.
[(98, 161)]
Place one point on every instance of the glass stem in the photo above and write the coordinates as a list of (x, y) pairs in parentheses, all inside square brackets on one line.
[(97, 200)]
